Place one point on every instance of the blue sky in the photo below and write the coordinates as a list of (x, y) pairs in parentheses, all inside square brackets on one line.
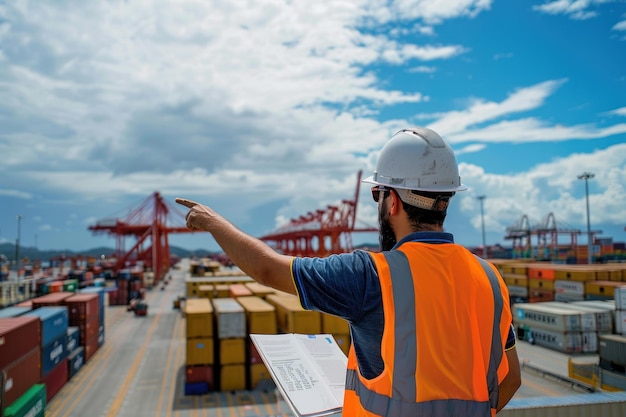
[(267, 110)]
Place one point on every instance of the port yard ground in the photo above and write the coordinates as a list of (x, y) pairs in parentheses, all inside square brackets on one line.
[(139, 371)]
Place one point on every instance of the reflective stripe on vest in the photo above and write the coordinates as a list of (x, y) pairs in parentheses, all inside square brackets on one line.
[(404, 386)]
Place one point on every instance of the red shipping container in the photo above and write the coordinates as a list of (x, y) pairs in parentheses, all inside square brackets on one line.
[(82, 307), (27, 303), (56, 379), (88, 329), (255, 356), (55, 299), (18, 335), (21, 375), (91, 347), (199, 373)]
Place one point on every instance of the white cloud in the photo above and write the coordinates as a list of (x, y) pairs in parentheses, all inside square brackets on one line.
[(618, 112), (15, 194), (480, 111), (551, 187), (436, 11), (423, 69), (620, 25), (575, 9), (476, 147)]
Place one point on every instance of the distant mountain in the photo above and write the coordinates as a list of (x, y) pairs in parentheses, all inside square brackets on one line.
[(31, 253)]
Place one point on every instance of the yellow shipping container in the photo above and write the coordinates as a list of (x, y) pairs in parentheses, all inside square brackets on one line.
[(205, 291), (232, 377), (200, 351), (603, 288), (260, 315), (232, 351), (545, 284), (260, 290), (516, 280), (222, 291), (198, 317), (582, 273), (292, 318), (333, 324), (520, 268), (258, 373)]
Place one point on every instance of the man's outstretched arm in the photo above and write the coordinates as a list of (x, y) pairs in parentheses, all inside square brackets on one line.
[(253, 256)]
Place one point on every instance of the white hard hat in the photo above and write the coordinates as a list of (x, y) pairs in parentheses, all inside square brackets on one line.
[(417, 159)]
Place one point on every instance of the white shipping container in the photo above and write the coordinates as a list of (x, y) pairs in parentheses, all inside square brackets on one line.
[(568, 298), (569, 287), (590, 342), (230, 318), (619, 293), (563, 342), (620, 322), (588, 320), (542, 315)]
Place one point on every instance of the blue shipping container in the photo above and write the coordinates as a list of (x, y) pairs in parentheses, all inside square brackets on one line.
[(76, 360), (54, 322), (53, 353), (196, 388), (73, 338), (14, 311)]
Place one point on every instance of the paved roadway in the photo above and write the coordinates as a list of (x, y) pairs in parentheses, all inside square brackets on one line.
[(139, 371)]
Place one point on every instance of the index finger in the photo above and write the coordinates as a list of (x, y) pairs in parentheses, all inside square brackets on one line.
[(186, 203)]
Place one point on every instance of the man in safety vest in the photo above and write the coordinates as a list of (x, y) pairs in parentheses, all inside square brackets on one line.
[(430, 322)]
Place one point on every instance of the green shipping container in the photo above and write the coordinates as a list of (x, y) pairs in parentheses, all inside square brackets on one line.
[(70, 285), (32, 403)]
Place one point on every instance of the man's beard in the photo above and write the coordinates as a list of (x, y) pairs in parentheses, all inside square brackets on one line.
[(386, 237)]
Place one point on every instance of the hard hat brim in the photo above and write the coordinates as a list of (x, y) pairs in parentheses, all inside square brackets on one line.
[(461, 187)]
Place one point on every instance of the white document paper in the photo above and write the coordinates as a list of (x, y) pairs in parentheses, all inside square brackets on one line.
[(309, 371)]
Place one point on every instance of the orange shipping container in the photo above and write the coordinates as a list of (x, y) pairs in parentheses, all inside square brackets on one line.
[(239, 290)]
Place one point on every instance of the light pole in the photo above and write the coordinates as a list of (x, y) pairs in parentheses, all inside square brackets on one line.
[(17, 246), (587, 176), (482, 217)]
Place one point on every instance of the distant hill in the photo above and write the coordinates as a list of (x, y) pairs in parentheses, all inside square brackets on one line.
[(8, 250)]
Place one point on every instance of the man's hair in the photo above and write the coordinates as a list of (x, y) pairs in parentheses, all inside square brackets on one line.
[(419, 216)]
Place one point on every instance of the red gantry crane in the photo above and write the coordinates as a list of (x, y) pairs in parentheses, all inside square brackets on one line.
[(149, 224), (320, 232)]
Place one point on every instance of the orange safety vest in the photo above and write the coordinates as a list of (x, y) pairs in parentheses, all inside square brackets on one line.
[(447, 319)]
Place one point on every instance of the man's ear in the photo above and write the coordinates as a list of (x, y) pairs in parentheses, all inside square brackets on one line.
[(396, 203)]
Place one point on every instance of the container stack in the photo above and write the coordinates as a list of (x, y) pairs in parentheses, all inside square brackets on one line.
[(199, 374), (84, 313), (260, 319), (102, 295), (53, 351), (223, 357), (613, 361), (31, 404), (548, 326), (20, 356), (230, 327), (76, 356), (540, 283)]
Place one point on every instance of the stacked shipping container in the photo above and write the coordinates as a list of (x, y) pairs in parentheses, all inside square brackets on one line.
[(238, 309), (199, 346), (42, 347)]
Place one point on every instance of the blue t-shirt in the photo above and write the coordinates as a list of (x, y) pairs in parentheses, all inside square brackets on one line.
[(346, 285)]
